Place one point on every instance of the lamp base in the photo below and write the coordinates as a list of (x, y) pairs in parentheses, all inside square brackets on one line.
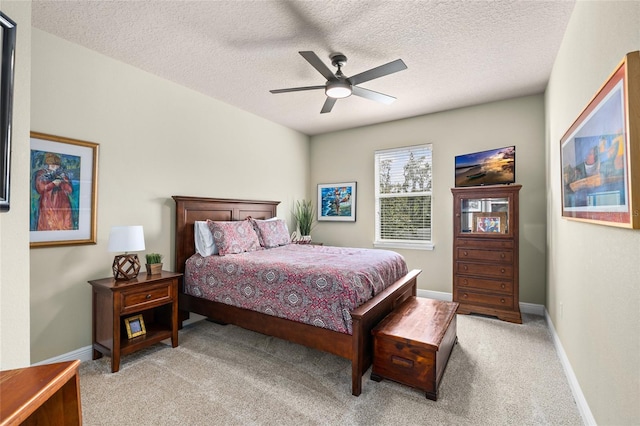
[(126, 266)]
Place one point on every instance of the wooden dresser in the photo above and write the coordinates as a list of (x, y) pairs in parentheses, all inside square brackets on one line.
[(485, 251), (41, 395)]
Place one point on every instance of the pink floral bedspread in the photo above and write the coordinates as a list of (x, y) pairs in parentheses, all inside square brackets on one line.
[(311, 284)]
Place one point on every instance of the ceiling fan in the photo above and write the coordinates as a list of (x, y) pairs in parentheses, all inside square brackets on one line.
[(339, 86)]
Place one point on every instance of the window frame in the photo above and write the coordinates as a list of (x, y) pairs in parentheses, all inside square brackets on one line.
[(399, 243)]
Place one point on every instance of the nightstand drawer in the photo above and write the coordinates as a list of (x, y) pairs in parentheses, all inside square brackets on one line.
[(135, 300)]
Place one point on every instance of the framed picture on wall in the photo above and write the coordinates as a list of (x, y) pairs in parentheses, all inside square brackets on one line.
[(64, 183), (337, 202), (599, 154), (8, 44)]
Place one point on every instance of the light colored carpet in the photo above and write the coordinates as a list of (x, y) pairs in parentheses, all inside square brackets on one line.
[(498, 374)]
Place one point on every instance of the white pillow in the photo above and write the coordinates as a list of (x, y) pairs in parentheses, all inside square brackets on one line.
[(205, 246)]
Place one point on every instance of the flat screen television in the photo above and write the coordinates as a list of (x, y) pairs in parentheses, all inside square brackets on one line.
[(492, 167)]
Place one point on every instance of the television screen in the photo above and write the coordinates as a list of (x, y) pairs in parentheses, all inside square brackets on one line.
[(493, 167)]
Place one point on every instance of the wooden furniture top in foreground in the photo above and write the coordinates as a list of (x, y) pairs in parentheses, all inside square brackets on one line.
[(42, 394), (419, 320)]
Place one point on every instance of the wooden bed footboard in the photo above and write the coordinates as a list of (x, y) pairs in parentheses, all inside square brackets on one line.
[(358, 347)]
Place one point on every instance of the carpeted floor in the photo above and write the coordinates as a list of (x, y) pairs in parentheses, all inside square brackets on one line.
[(498, 374)]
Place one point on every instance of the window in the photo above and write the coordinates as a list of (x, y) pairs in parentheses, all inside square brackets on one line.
[(403, 197)]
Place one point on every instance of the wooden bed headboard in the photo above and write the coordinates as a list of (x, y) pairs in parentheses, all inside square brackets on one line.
[(190, 209)]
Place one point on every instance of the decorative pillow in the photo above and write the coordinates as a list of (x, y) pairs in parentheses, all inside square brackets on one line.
[(234, 237), (205, 246), (272, 232)]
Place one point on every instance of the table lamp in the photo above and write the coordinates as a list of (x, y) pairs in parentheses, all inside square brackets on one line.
[(125, 239)]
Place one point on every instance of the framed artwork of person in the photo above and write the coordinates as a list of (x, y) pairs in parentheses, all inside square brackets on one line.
[(63, 191)]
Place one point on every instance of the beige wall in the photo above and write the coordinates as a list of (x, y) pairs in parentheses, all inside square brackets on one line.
[(157, 139), (349, 155), (14, 225), (594, 270)]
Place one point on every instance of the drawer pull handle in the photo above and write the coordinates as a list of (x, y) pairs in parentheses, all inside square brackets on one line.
[(464, 253), (465, 295), (465, 281), (501, 300), (502, 270), (502, 285), (402, 362), (465, 267), (148, 296), (502, 255)]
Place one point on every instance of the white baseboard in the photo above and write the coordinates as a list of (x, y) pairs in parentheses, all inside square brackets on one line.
[(525, 308), (83, 354), (578, 396)]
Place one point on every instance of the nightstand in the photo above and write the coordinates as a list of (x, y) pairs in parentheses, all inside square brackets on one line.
[(155, 297)]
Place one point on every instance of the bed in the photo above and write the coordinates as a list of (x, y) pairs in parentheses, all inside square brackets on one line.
[(356, 347)]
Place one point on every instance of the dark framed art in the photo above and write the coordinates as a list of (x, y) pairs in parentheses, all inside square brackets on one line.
[(64, 184), (599, 154), (337, 202), (7, 69), (135, 326)]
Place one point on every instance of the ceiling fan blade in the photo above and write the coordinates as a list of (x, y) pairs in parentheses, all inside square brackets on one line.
[(377, 72), (317, 63), (296, 89), (374, 96), (328, 105)]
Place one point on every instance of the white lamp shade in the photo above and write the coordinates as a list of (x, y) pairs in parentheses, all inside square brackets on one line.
[(126, 239)]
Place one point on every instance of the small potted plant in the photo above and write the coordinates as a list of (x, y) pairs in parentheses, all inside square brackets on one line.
[(154, 263), (303, 213)]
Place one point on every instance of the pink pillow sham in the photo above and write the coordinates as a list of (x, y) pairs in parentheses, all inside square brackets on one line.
[(234, 237), (272, 233)]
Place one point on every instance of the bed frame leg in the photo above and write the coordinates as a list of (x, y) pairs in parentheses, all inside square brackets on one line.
[(357, 356), (356, 382)]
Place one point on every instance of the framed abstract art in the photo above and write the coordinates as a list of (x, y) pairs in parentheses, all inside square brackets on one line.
[(337, 202), (600, 153)]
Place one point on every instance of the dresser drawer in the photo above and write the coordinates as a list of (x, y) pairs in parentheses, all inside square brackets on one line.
[(484, 244), (145, 298), (501, 286), (485, 269), (492, 300), (505, 256)]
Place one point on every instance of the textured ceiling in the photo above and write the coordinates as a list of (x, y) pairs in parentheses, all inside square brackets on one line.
[(458, 53)]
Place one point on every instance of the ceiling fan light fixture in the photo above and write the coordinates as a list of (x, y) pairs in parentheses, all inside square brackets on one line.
[(338, 89)]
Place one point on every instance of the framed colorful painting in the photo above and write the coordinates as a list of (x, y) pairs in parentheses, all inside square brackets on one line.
[(337, 202), (64, 183), (600, 153)]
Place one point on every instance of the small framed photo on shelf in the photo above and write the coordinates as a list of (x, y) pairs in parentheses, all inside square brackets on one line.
[(135, 326), (490, 222)]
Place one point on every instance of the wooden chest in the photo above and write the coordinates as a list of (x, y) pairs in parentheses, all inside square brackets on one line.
[(413, 343)]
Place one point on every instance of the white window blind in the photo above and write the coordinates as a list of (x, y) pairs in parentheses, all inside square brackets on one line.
[(403, 197)]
